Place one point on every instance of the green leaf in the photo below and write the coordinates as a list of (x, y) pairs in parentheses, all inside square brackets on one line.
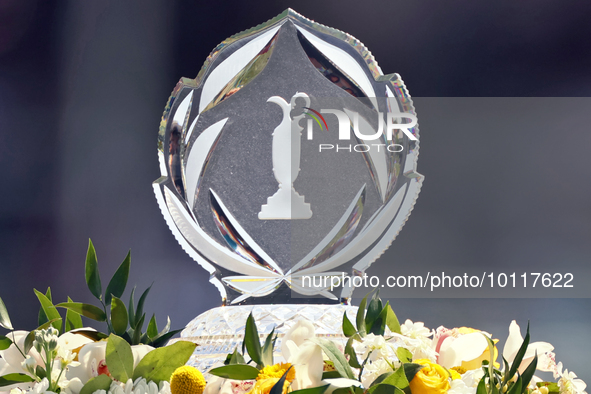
[(119, 358), (166, 327), (411, 369), (40, 372), (361, 317), (236, 372), (278, 387), (101, 382), (14, 378), (93, 278), (380, 379), (391, 319), (90, 334), (50, 311), (235, 358), (42, 318), (130, 308), (251, 339), (404, 355), (5, 342), (137, 331), (118, 282), (312, 390), (398, 379), (86, 310), (139, 311), (331, 375), (4, 319), (373, 311), (48, 295), (348, 329), (516, 388), (340, 362), (529, 371), (353, 361), (386, 389), (481, 389), (160, 363), (491, 349), (73, 319), (518, 357), (152, 329), (552, 387), (267, 353), (162, 339), (118, 318), (506, 363), (164, 335)]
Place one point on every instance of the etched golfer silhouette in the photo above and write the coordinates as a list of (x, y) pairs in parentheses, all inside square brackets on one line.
[(286, 203)]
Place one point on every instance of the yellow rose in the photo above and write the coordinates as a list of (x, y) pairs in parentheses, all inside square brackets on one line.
[(431, 379), (264, 386), (270, 375), (277, 371)]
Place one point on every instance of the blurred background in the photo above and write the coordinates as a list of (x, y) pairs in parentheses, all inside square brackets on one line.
[(83, 86)]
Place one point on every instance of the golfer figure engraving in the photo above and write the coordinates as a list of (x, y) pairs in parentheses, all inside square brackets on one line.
[(286, 203)]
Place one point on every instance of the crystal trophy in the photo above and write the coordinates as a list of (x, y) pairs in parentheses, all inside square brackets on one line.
[(288, 166)]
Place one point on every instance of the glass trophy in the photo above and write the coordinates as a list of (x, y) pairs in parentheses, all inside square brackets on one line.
[(288, 166)]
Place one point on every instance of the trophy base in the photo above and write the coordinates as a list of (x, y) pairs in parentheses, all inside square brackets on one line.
[(220, 330), (286, 204)]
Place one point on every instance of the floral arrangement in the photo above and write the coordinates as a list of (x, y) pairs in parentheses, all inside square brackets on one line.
[(381, 356), (62, 356)]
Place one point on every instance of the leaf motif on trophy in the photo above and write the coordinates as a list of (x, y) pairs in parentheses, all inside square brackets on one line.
[(235, 65)]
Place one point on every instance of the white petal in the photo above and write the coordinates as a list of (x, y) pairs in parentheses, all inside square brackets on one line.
[(70, 340), (343, 382), (308, 364), (514, 342), (139, 351), (539, 347), (464, 348)]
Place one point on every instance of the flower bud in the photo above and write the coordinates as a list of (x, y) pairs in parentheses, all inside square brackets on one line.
[(29, 364)]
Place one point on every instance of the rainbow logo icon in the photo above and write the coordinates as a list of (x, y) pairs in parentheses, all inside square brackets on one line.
[(316, 116)]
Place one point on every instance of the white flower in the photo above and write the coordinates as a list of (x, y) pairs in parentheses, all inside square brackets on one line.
[(214, 384), (242, 386), (542, 349), (299, 332), (415, 330), (375, 347), (92, 360), (459, 387), (340, 383), (374, 369), (462, 346), (73, 387), (71, 340), (472, 378), (38, 388), (305, 355), (66, 357), (140, 386), (568, 382), (11, 360)]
